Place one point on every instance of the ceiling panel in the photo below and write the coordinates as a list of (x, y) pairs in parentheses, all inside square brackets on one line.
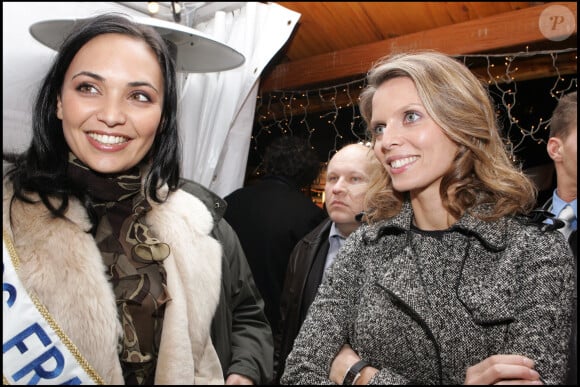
[(333, 26)]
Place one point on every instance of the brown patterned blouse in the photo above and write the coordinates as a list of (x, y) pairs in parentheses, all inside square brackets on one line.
[(134, 262)]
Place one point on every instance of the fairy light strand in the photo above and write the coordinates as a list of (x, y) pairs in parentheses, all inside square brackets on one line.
[(335, 98)]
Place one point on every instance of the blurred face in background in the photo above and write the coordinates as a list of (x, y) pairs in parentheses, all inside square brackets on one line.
[(347, 179)]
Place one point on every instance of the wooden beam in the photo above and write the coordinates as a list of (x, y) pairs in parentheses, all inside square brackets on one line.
[(517, 28)]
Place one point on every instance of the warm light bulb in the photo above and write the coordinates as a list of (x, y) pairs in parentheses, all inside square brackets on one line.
[(153, 7)]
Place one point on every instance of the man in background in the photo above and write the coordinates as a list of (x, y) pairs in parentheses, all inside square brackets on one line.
[(562, 149), (271, 215), (347, 178)]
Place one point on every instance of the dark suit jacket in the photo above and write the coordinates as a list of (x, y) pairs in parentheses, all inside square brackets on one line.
[(270, 217), (303, 277)]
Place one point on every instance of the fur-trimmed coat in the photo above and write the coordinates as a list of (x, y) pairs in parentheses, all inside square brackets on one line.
[(61, 264)]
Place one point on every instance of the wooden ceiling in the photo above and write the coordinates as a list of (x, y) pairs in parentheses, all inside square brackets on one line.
[(338, 41)]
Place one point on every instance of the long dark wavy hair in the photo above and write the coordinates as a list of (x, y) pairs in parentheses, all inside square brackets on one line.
[(42, 167)]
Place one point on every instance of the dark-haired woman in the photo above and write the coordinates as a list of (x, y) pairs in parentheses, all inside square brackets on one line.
[(112, 274)]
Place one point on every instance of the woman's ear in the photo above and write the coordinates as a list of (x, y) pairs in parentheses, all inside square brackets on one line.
[(554, 148), (58, 108)]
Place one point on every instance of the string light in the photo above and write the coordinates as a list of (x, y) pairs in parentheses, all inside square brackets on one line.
[(321, 111), (505, 89), (272, 118), (276, 110)]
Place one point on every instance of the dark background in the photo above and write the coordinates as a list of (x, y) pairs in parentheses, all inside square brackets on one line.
[(533, 101)]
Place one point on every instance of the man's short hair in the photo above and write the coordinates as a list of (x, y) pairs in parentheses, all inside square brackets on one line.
[(564, 117), (292, 157)]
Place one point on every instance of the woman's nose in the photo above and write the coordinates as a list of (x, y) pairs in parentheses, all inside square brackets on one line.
[(389, 139), (112, 114)]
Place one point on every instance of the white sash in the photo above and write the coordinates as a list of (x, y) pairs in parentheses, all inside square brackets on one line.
[(35, 349)]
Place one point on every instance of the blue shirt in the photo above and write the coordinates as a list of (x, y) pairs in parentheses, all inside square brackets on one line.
[(335, 239), (558, 205)]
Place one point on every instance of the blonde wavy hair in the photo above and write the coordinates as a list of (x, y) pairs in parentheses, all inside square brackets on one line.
[(482, 172)]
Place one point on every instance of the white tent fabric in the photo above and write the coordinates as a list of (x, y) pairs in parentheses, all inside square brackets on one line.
[(218, 108)]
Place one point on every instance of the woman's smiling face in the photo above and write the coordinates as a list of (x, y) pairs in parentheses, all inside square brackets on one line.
[(411, 146), (111, 102)]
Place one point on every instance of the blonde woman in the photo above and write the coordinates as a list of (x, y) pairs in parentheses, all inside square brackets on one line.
[(449, 282)]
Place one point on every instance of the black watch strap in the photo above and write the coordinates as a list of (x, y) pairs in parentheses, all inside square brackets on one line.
[(353, 371)]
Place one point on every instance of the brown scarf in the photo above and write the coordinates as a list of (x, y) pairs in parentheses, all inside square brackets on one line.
[(134, 261)]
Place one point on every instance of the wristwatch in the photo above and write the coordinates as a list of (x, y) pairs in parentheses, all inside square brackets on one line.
[(353, 372)]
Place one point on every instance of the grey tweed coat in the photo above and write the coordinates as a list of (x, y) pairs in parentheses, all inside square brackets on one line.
[(424, 306)]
